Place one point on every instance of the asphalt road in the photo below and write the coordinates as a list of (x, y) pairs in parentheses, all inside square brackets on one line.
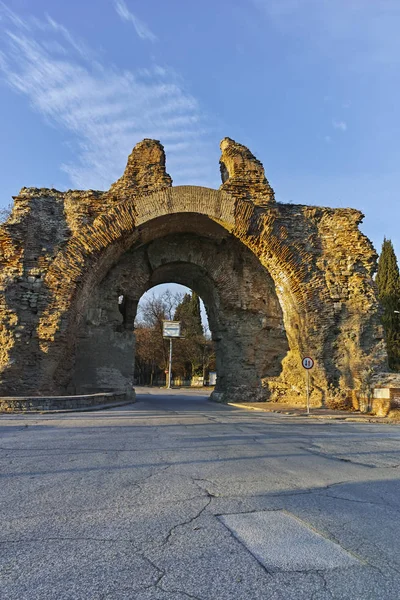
[(175, 497)]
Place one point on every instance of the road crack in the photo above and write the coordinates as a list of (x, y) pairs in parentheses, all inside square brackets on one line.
[(188, 521)]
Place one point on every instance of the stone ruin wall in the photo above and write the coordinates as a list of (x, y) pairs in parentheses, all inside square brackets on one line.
[(59, 249)]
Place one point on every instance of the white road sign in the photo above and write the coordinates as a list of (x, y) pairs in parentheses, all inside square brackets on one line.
[(307, 362), (171, 329)]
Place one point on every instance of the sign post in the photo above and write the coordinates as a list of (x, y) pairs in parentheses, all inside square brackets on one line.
[(308, 364), (171, 329), (170, 364)]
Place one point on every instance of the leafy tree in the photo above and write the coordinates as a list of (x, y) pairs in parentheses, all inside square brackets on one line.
[(152, 349), (150, 354), (193, 354), (388, 282)]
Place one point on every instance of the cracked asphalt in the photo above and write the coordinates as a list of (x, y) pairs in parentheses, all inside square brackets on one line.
[(128, 503)]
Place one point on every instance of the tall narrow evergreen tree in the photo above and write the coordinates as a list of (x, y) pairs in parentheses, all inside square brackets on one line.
[(188, 313), (195, 325), (191, 350), (388, 282)]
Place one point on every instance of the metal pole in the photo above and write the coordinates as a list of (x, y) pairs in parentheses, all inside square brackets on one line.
[(308, 392), (170, 364)]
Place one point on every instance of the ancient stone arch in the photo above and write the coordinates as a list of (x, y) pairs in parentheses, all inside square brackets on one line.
[(279, 281)]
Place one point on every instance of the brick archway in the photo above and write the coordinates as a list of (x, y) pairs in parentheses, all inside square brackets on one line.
[(245, 316), (57, 248)]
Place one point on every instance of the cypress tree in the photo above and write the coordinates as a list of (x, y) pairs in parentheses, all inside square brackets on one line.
[(188, 313), (181, 313), (388, 282), (196, 327)]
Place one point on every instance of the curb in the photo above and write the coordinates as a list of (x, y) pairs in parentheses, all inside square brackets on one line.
[(67, 410), (351, 418)]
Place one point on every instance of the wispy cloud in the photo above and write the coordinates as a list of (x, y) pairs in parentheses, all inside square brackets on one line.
[(141, 28), (104, 110), (341, 125), (7, 14)]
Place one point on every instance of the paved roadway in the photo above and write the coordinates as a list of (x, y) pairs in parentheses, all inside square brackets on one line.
[(176, 497)]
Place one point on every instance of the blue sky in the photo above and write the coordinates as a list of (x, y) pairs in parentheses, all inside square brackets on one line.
[(310, 86)]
